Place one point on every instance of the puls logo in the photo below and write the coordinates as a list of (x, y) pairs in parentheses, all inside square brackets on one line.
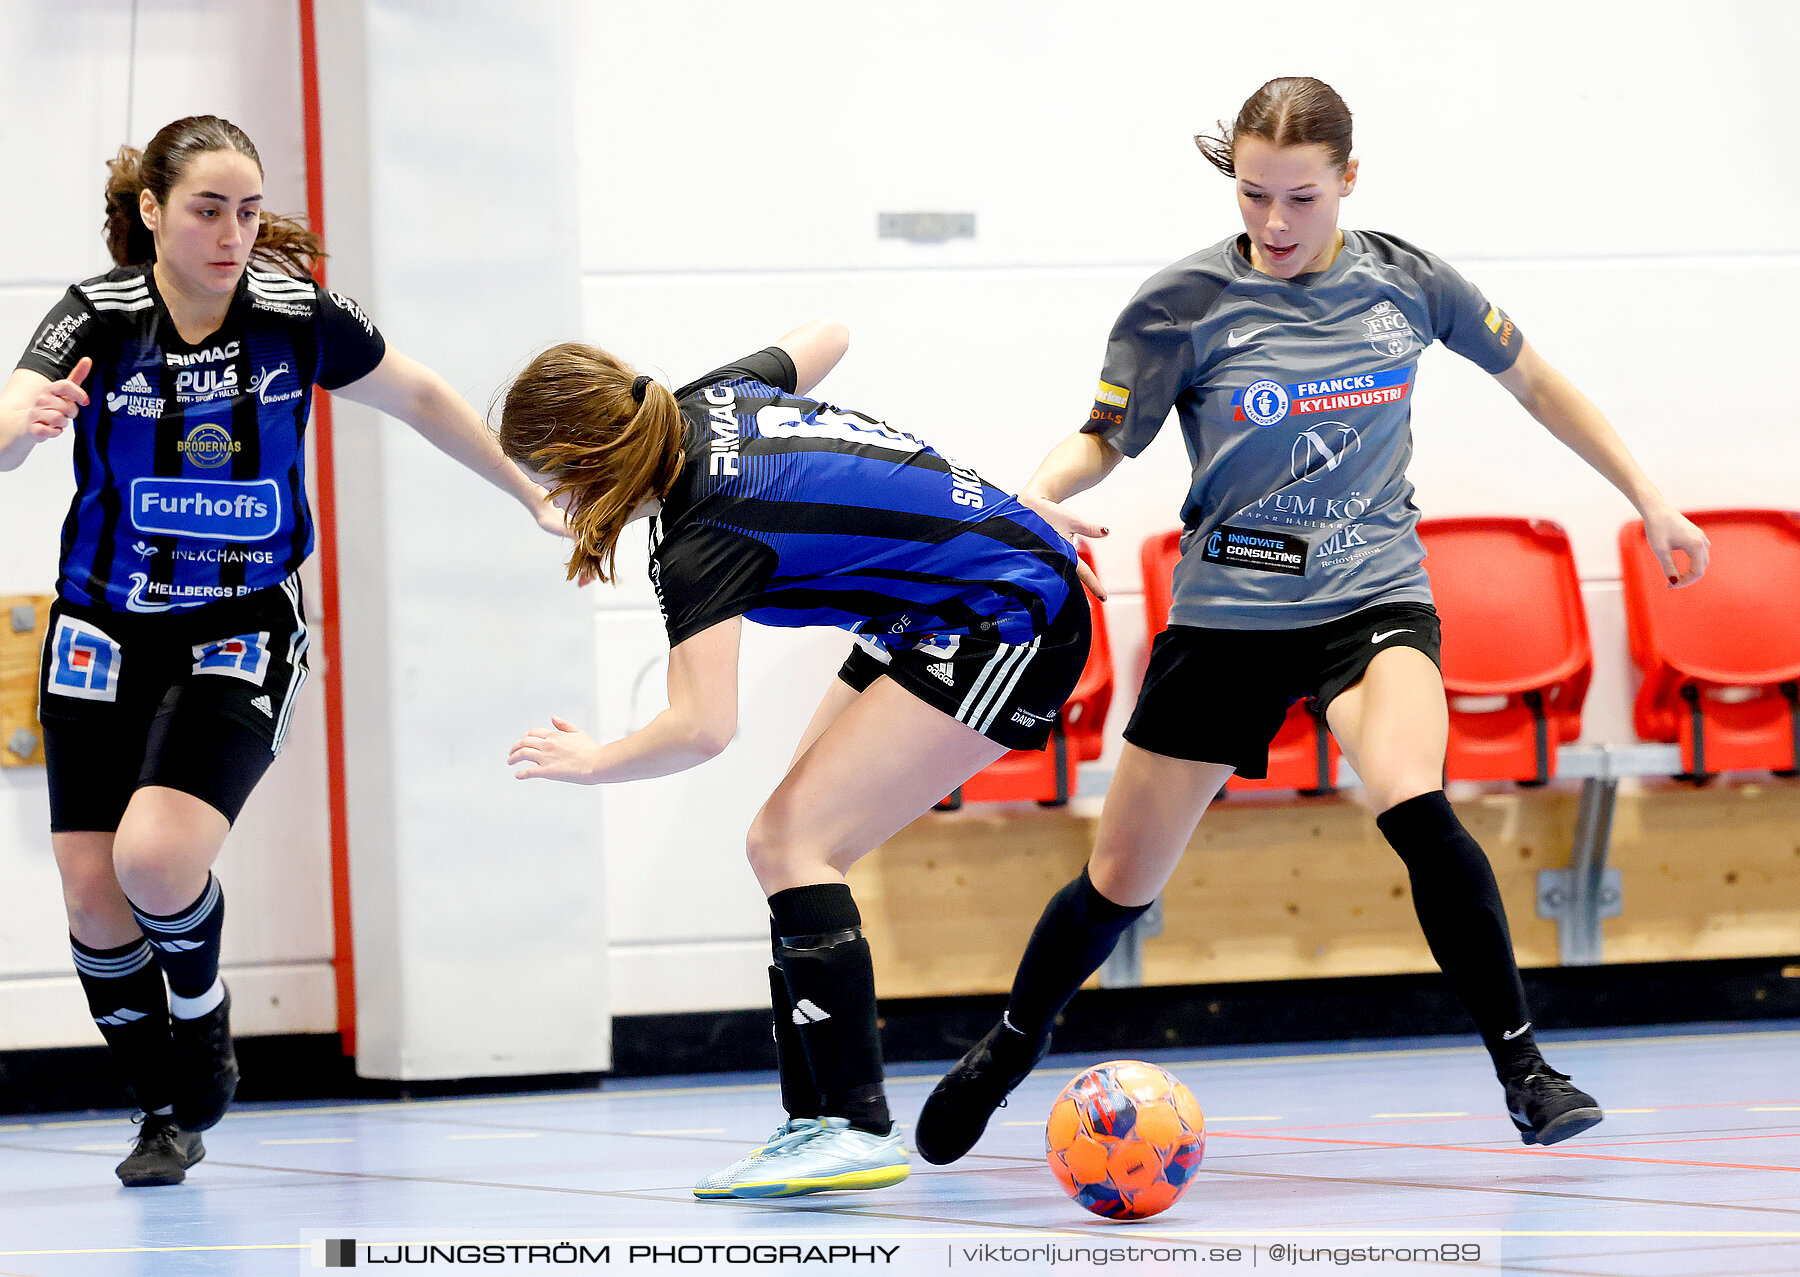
[(1387, 331)]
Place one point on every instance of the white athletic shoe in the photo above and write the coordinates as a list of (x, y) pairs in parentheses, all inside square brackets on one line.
[(830, 1156), (790, 1132)]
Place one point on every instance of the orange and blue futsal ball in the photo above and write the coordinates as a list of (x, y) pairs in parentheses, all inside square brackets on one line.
[(1125, 1139)]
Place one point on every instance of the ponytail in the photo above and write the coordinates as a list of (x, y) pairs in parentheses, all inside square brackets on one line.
[(281, 242), (606, 438)]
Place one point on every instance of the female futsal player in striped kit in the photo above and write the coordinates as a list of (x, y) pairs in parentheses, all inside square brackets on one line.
[(1288, 354), (177, 642), (972, 630)]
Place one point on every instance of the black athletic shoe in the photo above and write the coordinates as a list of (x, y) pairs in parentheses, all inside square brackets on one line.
[(162, 1154), (206, 1067), (959, 1107), (1544, 1105)]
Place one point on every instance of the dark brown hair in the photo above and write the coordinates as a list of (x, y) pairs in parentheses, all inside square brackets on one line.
[(281, 242), (572, 416), (1294, 110)]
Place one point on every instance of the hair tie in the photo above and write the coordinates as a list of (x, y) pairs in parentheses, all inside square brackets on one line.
[(637, 388)]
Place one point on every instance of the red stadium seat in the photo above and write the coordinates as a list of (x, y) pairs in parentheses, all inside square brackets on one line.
[(1721, 657), (1047, 776), (1516, 655), (1303, 755)]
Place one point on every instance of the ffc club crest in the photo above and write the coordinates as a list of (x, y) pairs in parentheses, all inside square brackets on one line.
[(1387, 330)]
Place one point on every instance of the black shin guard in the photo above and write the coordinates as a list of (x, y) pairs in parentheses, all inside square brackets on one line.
[(825, 963), (1076, 932), (1459, 908), (125, 994), (799, 1093)]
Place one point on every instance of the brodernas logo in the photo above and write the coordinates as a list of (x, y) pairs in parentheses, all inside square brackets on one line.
[(209, 446), (216, 509), (1267, 402)]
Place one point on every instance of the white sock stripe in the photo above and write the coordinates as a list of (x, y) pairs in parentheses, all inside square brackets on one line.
[(189, 918), (1012, 683), (112, 968), (963, 710), (193, 1008)]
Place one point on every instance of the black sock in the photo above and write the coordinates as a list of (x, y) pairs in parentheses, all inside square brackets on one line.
[(1078, 929), (125, 994), (1459, 908), (187, 941), (799, 1094), (831, 982)]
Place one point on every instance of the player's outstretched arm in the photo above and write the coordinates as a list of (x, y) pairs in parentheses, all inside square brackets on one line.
[(1572, 417), (33, 408), (1074, 465), (815, 349), (699, 723), (407, 389)]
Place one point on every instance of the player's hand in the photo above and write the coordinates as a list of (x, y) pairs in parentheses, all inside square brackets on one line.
[(561, 751), (1668, 530), (552, 517), (58, 403), (1069, 525)]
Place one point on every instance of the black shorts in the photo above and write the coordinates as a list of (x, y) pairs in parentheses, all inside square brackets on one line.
[(197, 701), (1219, 696), (1009, 692)]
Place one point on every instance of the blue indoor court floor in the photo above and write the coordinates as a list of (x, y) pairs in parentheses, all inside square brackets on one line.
[(1399, 1144)]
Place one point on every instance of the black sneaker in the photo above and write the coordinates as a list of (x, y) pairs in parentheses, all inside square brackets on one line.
[(1545, 1106), (959, 1107), (206, 1067), (162, 1154)]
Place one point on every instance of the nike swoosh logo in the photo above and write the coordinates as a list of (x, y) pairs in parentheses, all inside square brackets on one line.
[(1515, 1033), (1382, 638), (1235, 338)]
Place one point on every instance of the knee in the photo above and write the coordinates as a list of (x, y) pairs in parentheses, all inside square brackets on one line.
[(146, 860), (92, 897), (769, 845), (781, 848)]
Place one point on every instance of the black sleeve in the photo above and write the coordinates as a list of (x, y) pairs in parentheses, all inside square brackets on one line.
[(771, 365), (349, 345), (705, 574), (68, 332)]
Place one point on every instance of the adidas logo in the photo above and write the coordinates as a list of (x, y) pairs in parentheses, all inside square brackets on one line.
[(138, 385), (944, 672), (121, 1016), (178, 946), (262, 703), (806, 1011)]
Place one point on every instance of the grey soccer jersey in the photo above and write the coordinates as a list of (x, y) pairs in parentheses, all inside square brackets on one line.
[(1295, 399)]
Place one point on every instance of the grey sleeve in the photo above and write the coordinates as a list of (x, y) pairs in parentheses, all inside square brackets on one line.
[(1464, 320), (1149, 360)]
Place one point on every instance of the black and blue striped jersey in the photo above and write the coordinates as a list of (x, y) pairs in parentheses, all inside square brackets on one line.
[(790, 511), (190, 460)]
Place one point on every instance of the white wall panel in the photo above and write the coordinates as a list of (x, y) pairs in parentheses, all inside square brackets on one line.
[(1564, 130), (478, 901)]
